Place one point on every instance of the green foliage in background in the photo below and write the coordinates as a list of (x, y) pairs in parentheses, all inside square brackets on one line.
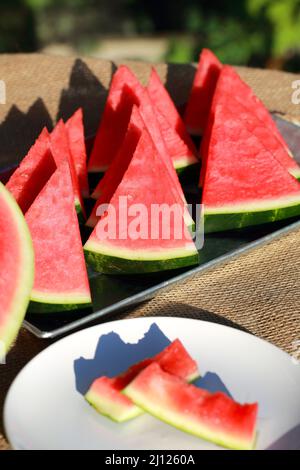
[(252, 32)]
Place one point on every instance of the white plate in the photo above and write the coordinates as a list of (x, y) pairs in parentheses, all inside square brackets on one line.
[(44, 410)]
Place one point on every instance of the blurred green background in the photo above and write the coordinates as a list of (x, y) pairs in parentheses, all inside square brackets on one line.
[(263, 33)]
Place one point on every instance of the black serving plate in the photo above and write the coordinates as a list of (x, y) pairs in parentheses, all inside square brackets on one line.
[(114, 293)]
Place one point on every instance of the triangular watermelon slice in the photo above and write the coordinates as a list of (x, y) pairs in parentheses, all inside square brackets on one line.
[(134, 240), (59, 145), (32, 173), (201, 95), (75, 131), (61, 281), (244, 183), (248, 109), (179, 144), (229, 80), (108, 184), (17, 269), (114, 122)]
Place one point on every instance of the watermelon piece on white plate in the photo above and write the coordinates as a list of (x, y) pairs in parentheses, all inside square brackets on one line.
[(105, 393), (211, 416)]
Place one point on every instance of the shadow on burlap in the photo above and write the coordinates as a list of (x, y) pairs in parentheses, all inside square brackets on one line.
[(258, 292)]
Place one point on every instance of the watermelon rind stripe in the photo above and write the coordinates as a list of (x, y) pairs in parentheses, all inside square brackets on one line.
[(111, 409), (180, 422), (295, 172), (234, 217), (182, 162), (115, 260), (9, 331), (42, 302)]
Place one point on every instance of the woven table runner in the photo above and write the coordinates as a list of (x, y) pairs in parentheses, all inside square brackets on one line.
[(258, 292)]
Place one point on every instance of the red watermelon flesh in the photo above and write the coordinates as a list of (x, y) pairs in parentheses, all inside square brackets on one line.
[(16, 266), (112, 249), (77, 147), (211, 416), (61, 281), (178, 141), (114, 122), (244, 183), (59, 144), (32, 173), (201, 95), (252, 120), (244, 94), (115, 172), (140, 116), (105, 393)]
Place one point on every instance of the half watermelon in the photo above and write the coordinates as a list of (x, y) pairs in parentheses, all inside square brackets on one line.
[(17, 269), (211, 416), (244, 184), (179, 144), (60, 149), (105, 393), (77, 147), (61, 281), (128, 237), (201, 95), (33, 172)]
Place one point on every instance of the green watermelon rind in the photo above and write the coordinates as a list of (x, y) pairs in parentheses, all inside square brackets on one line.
[(103, 406), (222, 219), (295, 172), (42, 303), (110, 263), (8, 333), (179, 421)]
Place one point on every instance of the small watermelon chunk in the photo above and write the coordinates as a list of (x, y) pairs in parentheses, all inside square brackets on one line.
[(33, 172), (201, 95), (211, 416), (61, 281), (77, 147), (105, 393), (244, 184), (178, 142), (59, 144), (116, 246), (17, 269)]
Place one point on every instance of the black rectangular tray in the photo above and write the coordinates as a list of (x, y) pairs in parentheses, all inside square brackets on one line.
[(115, 293)]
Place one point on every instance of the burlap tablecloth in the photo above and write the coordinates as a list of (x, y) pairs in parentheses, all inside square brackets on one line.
[(258, 292)]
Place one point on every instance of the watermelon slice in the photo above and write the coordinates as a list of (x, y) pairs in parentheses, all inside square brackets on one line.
[(179, 144), (17, 269), (114, 122), (61, 281), (59, 144), (211, 416), (201, 95), (246, 110), (33, 172), (127, 238), (77, 147), (244, 183), (109, 183), (229, 80), (105, 393)]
